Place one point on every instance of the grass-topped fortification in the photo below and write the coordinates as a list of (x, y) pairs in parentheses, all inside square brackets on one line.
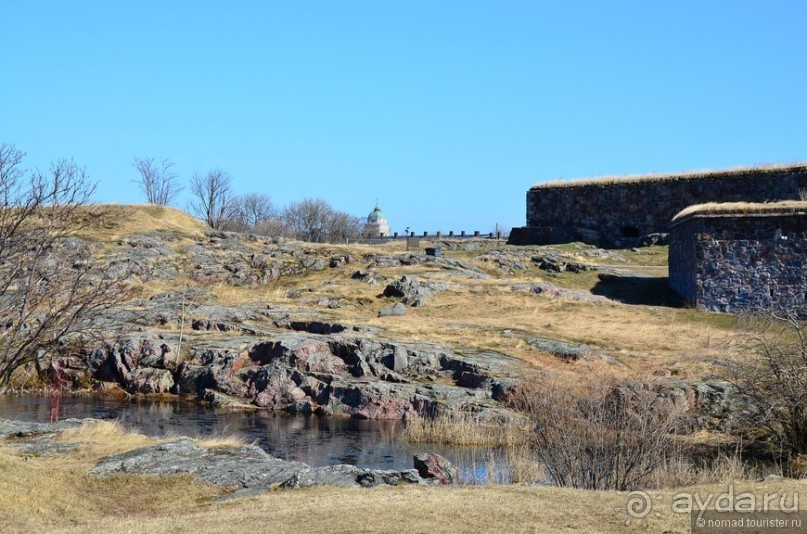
[(736, 209), (616, 211), (741, 256)]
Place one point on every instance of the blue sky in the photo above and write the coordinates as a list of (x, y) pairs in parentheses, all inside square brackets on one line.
[(444, 111)]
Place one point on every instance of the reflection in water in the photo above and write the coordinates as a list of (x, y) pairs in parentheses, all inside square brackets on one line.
[(317, 441)]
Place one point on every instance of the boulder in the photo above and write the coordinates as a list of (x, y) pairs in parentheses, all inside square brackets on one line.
[(391, 311), (220, 400), (314, 264), (414, 291), (434, 467), (338, 261), (361, 275), (210, 274), (559, 265)]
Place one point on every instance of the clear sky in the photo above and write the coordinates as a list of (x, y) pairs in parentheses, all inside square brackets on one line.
[(444, 111)]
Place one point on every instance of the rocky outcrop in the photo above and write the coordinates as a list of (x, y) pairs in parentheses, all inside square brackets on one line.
[(351, 476), (367, 276), (453, 266), (323, 328), (569, 351), (11, 429), (244, 471), (140, 364), (414, 291), (714, 405), (249, 469), (556, 292), (356, 377), (560, 264)]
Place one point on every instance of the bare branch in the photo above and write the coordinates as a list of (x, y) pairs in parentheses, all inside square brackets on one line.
[(212, 199), (157, 180), (50, 286)]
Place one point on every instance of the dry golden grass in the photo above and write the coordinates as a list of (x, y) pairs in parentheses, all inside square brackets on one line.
[(673, 177), (221, 441), (115, 221), (787, 207), (56, 494), (44, 494), (641, 338), (463, 430), (682, 471), (101, 438)]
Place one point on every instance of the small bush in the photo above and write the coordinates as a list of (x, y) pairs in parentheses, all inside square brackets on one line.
[(599, 434), (771, 378)]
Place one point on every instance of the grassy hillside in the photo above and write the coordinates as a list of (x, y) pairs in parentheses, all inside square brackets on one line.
[(108, 222)]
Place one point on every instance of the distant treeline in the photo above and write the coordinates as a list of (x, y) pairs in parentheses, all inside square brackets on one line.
[(213, 201)]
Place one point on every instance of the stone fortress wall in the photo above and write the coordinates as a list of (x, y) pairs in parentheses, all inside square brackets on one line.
[(754, 258), (614, 212)]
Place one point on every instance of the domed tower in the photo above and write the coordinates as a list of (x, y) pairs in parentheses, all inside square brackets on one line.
[(377, 225)]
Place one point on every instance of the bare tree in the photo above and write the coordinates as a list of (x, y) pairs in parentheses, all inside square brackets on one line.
[(275, 227), (307, 218), (50, 286), (253, 211), (212, 198), (315, 220), (342, 226), (157, 180)]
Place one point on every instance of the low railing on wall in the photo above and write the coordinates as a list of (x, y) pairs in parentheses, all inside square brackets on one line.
[(427, 236)]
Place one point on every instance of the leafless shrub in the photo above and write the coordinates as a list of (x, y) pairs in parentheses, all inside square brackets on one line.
[(771, 378), (157, 180), (599, 434), (50, 286), (212, 199)]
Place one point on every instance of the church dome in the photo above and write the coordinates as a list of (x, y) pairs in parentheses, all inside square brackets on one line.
[(377, 224), (376, 214)]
